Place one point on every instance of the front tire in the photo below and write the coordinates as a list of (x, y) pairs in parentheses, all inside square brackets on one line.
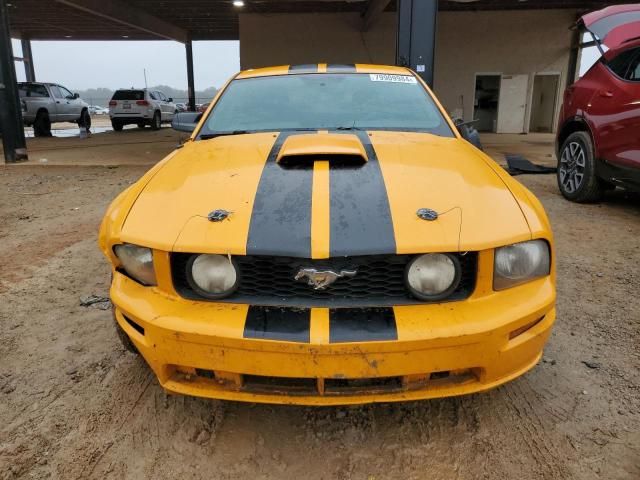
[(42, 124), (156, 122), (576, 175)]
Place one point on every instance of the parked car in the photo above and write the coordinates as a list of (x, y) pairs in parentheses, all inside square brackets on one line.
[(46, 103), (598, 142), (181, 107), (140, 107), (330, 238), (202, 107), (97, 110)]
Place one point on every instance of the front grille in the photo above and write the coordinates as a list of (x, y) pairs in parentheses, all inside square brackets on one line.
[(269, 281)]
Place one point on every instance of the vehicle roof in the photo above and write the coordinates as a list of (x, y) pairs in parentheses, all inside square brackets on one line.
[(592, 17), (39, 83), (323, 68)]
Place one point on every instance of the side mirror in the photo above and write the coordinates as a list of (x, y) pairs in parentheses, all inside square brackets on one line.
[(76, 95), (169, 99), (468, 132), (186, 121)]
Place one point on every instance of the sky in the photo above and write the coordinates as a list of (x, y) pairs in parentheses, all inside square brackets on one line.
[(80, 65)]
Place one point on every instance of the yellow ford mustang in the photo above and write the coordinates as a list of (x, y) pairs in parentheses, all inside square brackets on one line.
[(327, 237)]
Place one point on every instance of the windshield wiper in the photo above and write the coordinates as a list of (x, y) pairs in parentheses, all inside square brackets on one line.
[(353, 127), (208, 136)]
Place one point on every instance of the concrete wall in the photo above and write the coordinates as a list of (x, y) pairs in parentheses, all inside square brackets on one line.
[(284, 39), (504, 42), (509, 42)]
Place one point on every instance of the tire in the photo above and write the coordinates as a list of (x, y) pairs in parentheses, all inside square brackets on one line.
[(576, 175), (42, 124), (117, 126), (124, 338), (156, 121), (141, 124), (85, 120)]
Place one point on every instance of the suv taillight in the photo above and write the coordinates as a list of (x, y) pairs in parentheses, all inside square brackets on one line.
[(144, 103), (112, 103)]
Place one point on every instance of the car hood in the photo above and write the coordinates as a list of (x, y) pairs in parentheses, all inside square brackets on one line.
[(362, 199), (613, 26)]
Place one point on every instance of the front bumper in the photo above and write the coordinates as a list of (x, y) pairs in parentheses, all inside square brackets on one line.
[(198, 348)]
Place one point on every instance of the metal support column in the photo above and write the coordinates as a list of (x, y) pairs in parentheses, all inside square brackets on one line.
[(13, 142), (27, 58), (415, 46), (190, 80)]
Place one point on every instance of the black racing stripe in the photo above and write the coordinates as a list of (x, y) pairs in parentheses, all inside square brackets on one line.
[(360, 214), (341, 68), (306, 68), (362, 325), (281, 218), (286, 324)]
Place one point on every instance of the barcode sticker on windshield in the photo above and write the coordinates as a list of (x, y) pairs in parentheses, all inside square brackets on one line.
[(386, 77)]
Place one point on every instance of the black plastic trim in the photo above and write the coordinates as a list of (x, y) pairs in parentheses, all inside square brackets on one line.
[(134, 325)]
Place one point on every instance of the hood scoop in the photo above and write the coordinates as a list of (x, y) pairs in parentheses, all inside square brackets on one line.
[(341, 150)]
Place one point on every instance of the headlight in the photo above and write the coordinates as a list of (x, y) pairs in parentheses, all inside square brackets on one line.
[(212, 276), (433, 276), (137, 262), (520, 263)]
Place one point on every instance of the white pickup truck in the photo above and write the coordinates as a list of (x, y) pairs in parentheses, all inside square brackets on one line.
[(47, 103)]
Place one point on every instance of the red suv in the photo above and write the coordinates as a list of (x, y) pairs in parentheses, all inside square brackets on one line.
[(598, 143)]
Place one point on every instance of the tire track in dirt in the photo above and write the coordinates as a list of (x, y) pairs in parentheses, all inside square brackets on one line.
[(36, 251), (531, 429)]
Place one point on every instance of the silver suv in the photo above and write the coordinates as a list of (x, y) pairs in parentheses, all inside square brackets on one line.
[(47, 103), (140, 107)]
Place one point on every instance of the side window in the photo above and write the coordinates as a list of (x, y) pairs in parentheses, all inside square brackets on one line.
[(32, 90), (621, 64), (38, 91), (633, 73), (153, 96), (56, 91), (162, 96), (65, 93)]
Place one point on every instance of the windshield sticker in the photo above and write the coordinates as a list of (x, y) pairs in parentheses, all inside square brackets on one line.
[(386, 77)]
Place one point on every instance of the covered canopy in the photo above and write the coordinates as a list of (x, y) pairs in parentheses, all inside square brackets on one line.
[(184, 20)]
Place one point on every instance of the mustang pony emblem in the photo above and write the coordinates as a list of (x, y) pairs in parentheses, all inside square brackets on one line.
[(321, 279)]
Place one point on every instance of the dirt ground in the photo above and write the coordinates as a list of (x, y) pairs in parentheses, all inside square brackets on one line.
[(75, 405)]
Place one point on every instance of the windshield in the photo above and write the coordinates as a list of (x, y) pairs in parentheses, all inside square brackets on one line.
[(325, 101)]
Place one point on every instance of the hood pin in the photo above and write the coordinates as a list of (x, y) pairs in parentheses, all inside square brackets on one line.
[(427, 214), (218, 215)]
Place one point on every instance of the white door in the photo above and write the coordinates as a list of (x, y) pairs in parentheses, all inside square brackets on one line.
[(512, 103)]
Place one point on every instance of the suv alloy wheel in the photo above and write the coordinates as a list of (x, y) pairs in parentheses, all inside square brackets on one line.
[(577, 178)]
